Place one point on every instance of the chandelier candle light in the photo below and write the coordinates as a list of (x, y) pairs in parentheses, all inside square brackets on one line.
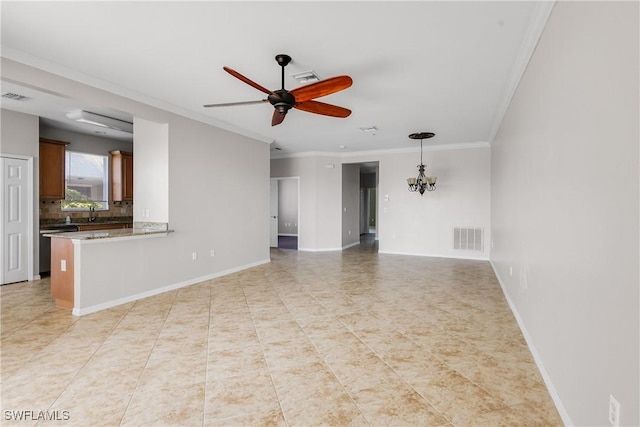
[(422, 182)]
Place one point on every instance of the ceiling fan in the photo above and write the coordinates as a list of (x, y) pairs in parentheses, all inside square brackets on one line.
[(300, 98)]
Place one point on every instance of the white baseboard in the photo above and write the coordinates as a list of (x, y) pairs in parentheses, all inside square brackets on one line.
[(319, 250), (536, 356), (92, 309), (350, 245), (329, 249)]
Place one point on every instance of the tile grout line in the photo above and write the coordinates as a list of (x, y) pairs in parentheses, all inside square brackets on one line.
[(88, 359), (206, 368), (275, 391), (148, 357), (428, 402)]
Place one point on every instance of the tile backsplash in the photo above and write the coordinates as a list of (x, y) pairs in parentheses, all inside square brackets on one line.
[(51, 209)]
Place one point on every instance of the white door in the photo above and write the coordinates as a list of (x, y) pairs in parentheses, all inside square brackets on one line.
[(273, 213), (14, 193)]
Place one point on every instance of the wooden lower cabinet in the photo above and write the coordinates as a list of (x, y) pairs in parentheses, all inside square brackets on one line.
[(62, 272), (98, 226)]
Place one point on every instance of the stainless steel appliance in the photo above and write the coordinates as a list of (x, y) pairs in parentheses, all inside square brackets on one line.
[(45, 244)]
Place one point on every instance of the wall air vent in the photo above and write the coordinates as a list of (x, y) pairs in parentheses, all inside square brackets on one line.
[(14, 96), (468, 239)]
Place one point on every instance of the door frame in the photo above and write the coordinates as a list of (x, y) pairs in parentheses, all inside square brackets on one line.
[(30, 217), (274, 201), (297, 178)]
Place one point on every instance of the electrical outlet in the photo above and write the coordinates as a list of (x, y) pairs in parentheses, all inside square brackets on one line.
[(511, 271), (614, 411), (194, 256), (213, 253)]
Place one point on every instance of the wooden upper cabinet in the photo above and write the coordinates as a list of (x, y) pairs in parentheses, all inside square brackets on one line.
[(121, 176), (52, 158)]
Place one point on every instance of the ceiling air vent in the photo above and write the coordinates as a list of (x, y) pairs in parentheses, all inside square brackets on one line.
[(306, 77), (14, 96), (468, 239)]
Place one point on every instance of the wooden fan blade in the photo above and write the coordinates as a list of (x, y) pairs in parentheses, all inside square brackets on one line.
[(230, 104), (321, 88), (248, 81), (322, 108), (277, 117)]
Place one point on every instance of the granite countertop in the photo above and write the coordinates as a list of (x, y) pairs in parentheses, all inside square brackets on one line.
[(108, 234)]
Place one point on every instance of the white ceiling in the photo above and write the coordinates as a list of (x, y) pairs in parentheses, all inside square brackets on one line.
[(447, 67)]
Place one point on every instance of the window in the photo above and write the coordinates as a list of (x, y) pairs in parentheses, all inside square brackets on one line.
[(86, 182)]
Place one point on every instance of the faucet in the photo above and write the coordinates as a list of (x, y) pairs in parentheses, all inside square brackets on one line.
[(92, 214)]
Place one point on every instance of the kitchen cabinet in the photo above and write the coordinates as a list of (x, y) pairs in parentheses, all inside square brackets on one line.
[(121, 176), (52, 159), (98, 226)]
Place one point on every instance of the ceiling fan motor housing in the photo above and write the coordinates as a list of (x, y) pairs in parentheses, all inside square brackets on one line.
[(282, 100)]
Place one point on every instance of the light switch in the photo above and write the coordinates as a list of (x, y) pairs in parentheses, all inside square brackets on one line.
[(63, 265)]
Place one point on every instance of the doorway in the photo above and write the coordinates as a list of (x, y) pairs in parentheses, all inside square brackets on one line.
[(16, 219), (284, 208), (369, 200)]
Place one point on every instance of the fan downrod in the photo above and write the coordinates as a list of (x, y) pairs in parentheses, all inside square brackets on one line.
[(282, 99)]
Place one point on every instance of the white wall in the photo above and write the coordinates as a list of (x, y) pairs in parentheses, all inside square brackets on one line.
[(19, 135), (320, 199), (151, 171), (565, 197), (350, 204), (407, 223), (211, 203)]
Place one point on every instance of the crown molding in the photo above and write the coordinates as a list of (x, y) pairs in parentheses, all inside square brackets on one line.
[(343, 155), (530, 41)]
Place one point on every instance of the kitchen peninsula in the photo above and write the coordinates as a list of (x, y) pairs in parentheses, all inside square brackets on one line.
[(67, 281)]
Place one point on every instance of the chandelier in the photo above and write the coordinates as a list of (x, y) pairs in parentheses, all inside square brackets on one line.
[(422, 182)]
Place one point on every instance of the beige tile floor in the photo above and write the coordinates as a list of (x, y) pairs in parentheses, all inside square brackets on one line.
[(352, 338)]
